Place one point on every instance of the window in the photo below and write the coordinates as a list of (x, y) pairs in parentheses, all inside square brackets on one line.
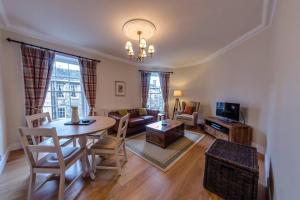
[(65, 89), (155, 99)]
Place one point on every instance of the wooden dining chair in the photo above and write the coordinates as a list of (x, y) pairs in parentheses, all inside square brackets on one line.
[(94, 137), (36, 120), (56, 161), (111, 145)]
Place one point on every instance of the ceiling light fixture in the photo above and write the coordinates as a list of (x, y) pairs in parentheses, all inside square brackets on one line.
[(139, 29)]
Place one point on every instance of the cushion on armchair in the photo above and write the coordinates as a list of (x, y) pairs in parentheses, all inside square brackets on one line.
[(185, 116), (189, 109)]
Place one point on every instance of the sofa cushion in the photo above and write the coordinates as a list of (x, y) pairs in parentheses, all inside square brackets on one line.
[(136, 122), (148, 118), (133, 113), (122, 112), (185, 117), (142, 111)]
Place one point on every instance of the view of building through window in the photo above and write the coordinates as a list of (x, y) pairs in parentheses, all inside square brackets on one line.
[(65, 89), (155, 99)]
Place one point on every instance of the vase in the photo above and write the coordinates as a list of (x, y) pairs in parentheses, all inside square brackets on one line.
[(75, 115)]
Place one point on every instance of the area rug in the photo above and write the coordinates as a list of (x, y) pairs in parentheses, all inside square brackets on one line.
[(159, 157)]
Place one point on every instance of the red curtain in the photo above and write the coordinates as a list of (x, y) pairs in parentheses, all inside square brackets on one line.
[(145, 83), (164, 79), (37, 70), (88, 70)]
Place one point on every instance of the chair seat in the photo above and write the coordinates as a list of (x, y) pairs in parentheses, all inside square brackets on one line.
[(185, 116), (107, 142), (50, 160), (62, 142), (97, 134)]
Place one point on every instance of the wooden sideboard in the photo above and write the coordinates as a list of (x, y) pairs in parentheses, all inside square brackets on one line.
[(229, 131)]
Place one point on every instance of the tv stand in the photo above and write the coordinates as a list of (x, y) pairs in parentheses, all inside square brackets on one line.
[(229, 131)]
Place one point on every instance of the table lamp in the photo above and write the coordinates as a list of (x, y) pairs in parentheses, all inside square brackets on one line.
[(177, 94)]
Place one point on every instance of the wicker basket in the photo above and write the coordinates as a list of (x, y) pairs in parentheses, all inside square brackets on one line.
[(231, 170)]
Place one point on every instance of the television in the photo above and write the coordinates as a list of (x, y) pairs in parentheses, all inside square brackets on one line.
[(228, 111)]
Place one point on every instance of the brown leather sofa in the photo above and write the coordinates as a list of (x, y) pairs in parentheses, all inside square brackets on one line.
[(136, 122)]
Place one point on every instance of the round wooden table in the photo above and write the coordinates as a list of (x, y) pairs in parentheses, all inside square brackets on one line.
[(81, 132)]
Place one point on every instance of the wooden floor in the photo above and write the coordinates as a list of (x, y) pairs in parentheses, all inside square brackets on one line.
[(139, 180)]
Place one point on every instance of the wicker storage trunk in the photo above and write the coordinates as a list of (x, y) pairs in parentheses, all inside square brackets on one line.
[(231, 170)]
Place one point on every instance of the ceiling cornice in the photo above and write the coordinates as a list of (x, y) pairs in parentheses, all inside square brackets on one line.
[(267, 17), (45, 38), (3, 14), (29, 33)]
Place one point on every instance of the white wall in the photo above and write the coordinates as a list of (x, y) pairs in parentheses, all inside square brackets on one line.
[(108, 71), (3, 146), (111, 71), (240, 75), (264, 75), (284, 133)]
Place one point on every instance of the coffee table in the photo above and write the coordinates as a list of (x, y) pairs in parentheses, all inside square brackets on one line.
[(164, 135)]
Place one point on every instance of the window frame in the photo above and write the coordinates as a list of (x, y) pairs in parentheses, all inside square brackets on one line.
[(158, 92), (66, 83)]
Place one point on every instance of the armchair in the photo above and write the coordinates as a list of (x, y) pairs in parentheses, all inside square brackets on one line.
[(189, 114)]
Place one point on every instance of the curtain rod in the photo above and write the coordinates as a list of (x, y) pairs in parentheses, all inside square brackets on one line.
[(156, 71), (32, 45)]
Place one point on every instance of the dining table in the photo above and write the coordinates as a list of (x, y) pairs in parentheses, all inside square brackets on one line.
[(81, 132)]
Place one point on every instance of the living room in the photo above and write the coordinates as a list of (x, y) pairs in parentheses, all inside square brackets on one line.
[(243, 52)]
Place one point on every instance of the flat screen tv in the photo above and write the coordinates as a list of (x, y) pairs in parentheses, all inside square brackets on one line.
[(228, 111)]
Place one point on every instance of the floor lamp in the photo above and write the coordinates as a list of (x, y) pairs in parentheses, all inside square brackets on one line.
[(177, 94)]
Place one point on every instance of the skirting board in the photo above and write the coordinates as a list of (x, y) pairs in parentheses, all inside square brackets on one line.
[(14, 147), (3, 161)]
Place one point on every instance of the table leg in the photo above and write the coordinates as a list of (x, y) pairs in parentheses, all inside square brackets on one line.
[(86, 164)]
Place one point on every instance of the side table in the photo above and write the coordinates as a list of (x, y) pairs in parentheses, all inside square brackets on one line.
[(231, 170), (160, 116)]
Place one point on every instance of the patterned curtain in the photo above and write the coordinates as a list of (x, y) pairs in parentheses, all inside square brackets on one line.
[(145, 79), (37, 70), (88, 70), (164, 79)]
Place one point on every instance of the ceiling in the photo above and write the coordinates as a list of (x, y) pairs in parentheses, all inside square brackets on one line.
[(188, 31)]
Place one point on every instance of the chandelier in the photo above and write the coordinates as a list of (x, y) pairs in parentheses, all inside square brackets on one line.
[(139, 30)]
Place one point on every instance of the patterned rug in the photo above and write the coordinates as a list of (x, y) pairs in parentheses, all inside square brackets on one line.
[(159, 157)]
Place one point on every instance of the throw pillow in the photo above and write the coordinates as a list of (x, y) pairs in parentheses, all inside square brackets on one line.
[(122, 112), (142, 111), (188, 110)]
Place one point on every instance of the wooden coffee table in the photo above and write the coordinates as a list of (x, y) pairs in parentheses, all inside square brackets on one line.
[(164, 135)]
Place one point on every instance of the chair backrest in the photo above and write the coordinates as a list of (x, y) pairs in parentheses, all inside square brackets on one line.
[(30, 149), (192, 103), (123, 127), (37, 118)]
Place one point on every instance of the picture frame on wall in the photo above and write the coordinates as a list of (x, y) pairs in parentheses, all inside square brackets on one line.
[(120, 88)]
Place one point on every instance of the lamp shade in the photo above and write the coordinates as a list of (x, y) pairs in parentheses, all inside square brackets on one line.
[(151, 49), (128, 45), (177, 93), (143, 43)]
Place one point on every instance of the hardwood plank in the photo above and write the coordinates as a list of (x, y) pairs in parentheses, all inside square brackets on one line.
[(139, 180)]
